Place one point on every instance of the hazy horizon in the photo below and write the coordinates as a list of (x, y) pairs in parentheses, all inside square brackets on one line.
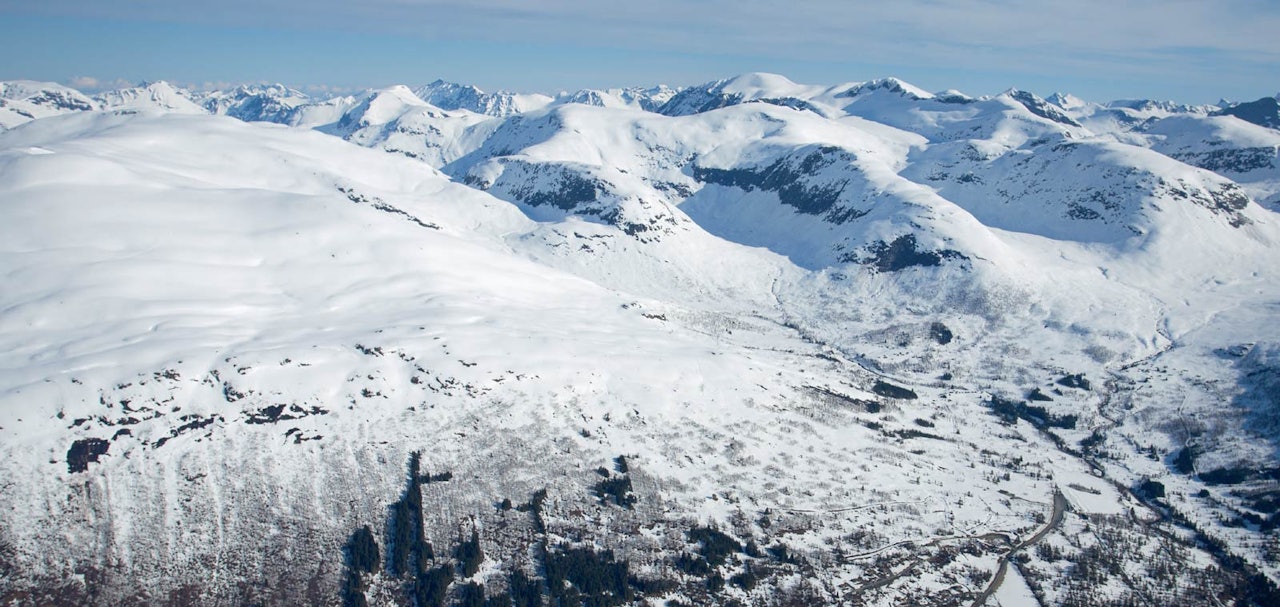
[(1182, 51)]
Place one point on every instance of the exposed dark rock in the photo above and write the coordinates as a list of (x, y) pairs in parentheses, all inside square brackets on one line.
[(1074, 381), (791, 102), (1151, 489), (1076, 210), (85, 451), (903, 253), (940, 333), (60, 100), (695, 100), (792, 178), (570, 191), (266, 415), (1232, 160), (891, 391), (1037, 394), (1185, 462), (1042, 108)]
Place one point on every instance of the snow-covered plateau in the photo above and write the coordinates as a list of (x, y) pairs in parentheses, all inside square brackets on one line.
[(746, 343)]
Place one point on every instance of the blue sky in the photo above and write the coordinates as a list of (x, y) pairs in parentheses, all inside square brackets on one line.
[(1189, 51)]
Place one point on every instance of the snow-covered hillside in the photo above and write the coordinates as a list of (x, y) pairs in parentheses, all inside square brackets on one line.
[(752, 342)]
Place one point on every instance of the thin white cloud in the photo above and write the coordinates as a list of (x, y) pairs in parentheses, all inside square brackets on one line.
[(90, 84), (1229, 25), (83, 82), (1190, 39)]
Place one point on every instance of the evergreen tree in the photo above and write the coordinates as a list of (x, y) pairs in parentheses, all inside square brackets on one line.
[(406, 549), (362, 551), (431, 587), (471, 594), (525, 592), (353, 590), (470, 555)]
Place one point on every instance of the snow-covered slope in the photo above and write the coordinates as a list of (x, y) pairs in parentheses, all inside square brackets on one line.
[(771, 344), (1247, 153)]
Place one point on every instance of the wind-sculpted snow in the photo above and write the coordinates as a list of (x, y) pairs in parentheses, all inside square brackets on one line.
[(856, 344)]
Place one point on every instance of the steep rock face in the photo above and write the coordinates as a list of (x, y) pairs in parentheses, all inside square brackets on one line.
[(1263, 112), (1042, 108), (793, 179)]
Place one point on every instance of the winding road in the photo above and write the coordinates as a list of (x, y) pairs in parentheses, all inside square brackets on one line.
[(1055, 519)]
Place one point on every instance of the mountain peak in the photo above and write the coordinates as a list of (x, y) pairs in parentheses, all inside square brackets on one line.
[(895, 85), (401, 92), (757, 81), (158, 95), (1040, 107), (1066, 101)]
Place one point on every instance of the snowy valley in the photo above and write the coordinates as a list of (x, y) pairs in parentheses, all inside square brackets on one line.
[(747, 343)]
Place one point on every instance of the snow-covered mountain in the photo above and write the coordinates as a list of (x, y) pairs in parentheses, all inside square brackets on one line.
[(649, 99), (257, 103), (398, 121), (24, 100), (158, 96), (751, 342), (452, 96)]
